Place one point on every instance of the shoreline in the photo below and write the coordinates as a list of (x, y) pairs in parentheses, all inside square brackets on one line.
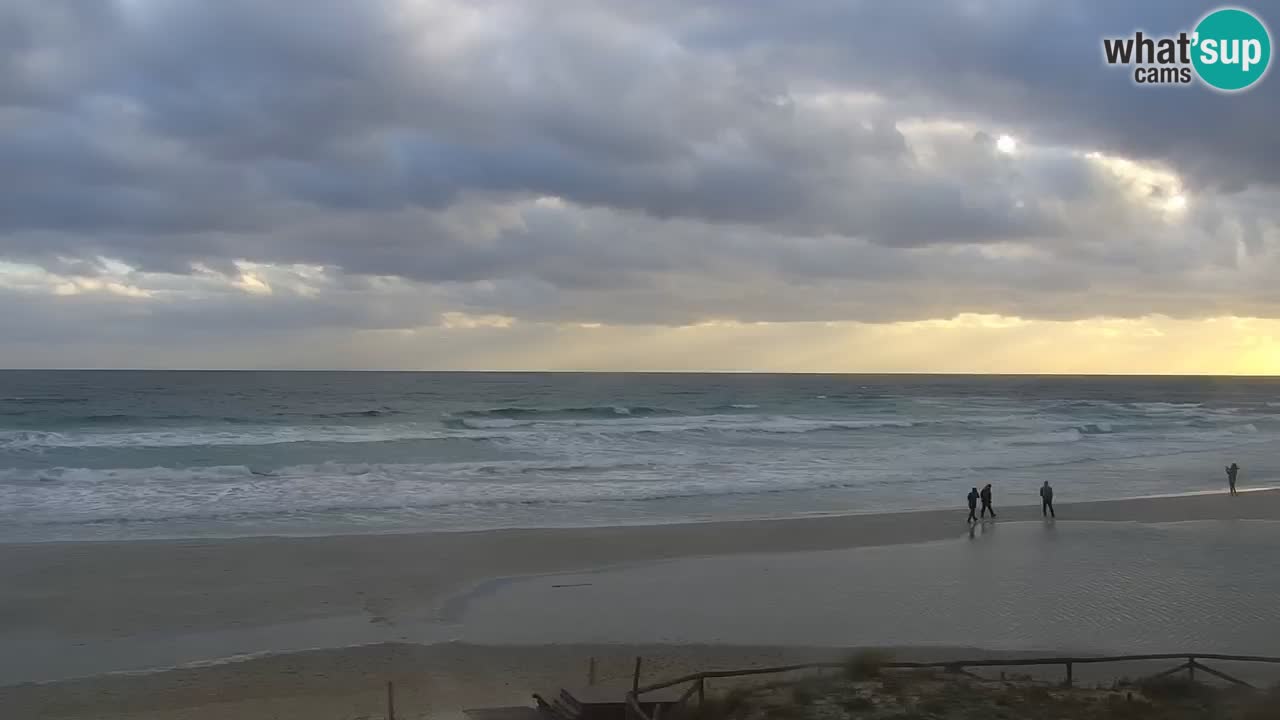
[(1089, 510), (80, 609), (490, 555)]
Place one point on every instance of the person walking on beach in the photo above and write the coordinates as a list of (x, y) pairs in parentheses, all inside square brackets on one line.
[(1046, 500), (985, 495), (1232, 470), (973, 505)]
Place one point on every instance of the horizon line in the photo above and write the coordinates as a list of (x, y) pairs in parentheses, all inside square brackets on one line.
[(888, 373)]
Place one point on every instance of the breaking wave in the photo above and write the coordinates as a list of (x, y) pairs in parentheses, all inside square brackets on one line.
[(420, 454), (603, 412)]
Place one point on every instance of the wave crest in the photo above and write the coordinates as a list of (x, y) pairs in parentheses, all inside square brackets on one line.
[(595, 411)]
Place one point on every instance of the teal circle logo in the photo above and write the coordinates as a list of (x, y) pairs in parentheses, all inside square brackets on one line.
[(1232, 49)]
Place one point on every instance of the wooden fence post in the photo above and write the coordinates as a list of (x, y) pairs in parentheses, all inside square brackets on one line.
[(1191, 668), (391, 701), (635, 677), (702, 690), (1069, 675), (591, 672)]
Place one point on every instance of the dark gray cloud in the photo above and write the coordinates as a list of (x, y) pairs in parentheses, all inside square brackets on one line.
[(617, 162), (1034, 66)]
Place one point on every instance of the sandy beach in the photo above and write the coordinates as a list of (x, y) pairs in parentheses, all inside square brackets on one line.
[(81, 609), (430, 681)]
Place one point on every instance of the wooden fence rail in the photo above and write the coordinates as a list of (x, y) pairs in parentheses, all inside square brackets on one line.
[(698, 681)]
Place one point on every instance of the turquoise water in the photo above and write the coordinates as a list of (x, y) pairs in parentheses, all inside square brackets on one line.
[(89, 455)]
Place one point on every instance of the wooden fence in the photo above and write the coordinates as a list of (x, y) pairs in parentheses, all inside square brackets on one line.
[(698, 681)]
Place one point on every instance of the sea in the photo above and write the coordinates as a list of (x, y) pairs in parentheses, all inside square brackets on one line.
[(115, 455)]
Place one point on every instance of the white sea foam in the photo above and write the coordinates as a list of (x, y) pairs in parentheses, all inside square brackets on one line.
[(34, 441), (1069, 435), (494, 453), (82, 495), (213, 437), (697, 423)]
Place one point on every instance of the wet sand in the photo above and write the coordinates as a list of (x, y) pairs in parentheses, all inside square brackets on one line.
[(74, 609), (1076, 587), (111, 589)]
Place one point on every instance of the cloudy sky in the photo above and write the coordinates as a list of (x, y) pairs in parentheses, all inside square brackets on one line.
[(815, 185)]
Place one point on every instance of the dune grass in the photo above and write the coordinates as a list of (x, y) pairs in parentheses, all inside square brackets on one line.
[(866, 689)]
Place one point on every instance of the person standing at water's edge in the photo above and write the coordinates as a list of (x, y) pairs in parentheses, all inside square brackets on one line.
[(985, 495), (1232, 470), (973, 505), (1046, 500)]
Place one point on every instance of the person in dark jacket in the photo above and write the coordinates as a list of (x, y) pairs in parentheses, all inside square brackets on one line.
[(1046, 500), (985, 496), (973, 505), (1232, 470)]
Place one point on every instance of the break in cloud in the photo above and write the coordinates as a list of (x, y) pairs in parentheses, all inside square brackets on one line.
[(324, 173)]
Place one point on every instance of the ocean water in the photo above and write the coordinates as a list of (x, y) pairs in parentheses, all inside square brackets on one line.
[(146, 454)]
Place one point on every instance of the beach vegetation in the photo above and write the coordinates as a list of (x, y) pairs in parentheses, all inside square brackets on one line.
[(866, 664), (867, 690)]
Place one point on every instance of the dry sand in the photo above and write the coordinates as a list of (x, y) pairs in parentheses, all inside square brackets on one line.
[(350, 683), (99, 593), (437, 681)]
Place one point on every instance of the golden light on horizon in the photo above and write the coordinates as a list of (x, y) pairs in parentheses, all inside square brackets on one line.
[(966, 343)]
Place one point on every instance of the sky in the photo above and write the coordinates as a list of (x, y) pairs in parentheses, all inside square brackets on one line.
[(736, 185)]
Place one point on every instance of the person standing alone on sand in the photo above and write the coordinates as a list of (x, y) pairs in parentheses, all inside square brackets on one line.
[(1232, 470), (985, 495), (1046, 500), (973, 505)]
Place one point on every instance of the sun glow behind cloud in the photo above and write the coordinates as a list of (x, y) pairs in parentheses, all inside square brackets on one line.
[(966, 344)]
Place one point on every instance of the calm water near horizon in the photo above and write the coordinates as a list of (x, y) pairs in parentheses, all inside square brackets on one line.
[(146, 454)]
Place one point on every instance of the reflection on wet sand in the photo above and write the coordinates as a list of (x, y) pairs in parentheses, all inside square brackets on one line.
[(1207, 586)]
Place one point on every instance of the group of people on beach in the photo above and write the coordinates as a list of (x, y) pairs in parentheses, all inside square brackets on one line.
[(1046, 497), (984, 495)]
